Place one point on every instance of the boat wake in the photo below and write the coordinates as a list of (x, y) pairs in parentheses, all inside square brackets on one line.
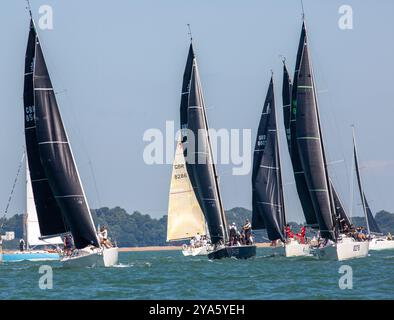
[(122, 265)]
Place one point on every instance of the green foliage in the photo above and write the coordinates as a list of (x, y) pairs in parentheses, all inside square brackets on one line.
[(137, 229)]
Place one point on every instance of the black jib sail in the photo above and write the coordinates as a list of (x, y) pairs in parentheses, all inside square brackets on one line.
[(289, 97), (268, 200), (310, 145), (342, 218), (49, 214), (198, 152), (371, 222), (56, 157)]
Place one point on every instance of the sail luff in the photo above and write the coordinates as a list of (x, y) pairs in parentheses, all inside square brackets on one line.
[(58, 160)]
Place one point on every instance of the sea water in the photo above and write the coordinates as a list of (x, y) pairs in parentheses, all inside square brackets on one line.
[(170, 275)]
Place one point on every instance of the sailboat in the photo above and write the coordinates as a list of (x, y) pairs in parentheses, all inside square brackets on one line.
[(185, 217), (59, 197), (269, 211), (377, 241), (32, 234), (200, 165), (308, 152)]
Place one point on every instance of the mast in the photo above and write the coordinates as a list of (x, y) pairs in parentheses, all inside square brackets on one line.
[(359, 180), (268, 199), (199, 163), (372, 226)]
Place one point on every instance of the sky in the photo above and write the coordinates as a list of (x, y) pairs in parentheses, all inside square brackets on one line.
[(117, 68)]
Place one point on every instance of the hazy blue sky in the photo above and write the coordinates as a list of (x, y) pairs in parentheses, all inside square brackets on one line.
[(118, 66)]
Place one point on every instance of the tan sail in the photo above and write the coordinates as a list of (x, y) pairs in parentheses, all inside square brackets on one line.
[(185, 218)]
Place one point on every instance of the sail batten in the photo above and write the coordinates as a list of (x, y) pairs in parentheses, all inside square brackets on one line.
[(267, 186)]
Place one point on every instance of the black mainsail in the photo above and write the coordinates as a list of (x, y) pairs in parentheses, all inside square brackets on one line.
[(372, 225), (310, 143), (198, 152), (51, 151), (49, 214), (268, 199), (289, 98)]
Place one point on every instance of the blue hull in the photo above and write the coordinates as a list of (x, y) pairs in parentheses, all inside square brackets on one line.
[(30, 256)]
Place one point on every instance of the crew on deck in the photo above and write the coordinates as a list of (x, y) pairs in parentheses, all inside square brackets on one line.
[(247, 229), (22, 245), (67, 245), (103, 237)]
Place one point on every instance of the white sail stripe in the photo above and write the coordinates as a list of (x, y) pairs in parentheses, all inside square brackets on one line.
[(43, 89), (286, 105), (53, 142), (269, 203), (29, 128), (200, 152), (38, 180), (271, 130), (308, 138), (26, 74), (178, 192), (318, 190), (299, 172), (185, 92), (292, 120), (69, 196), (268, 167), (208, 199), (195, 107)]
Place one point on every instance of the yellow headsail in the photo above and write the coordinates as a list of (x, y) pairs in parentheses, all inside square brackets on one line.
[(185, 218)]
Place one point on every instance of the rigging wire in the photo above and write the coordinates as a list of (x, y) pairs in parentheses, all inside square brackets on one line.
[(12, 190)]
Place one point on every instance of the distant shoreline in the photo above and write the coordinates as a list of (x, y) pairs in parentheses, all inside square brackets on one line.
[(170, 248)]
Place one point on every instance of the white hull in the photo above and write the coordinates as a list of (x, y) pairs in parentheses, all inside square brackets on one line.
[(291, 249), (381, 244), (198, 251), (344, 249), (87, 258), (296, 249)]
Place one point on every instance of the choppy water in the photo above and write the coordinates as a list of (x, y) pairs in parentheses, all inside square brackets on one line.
[(169, 275)]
